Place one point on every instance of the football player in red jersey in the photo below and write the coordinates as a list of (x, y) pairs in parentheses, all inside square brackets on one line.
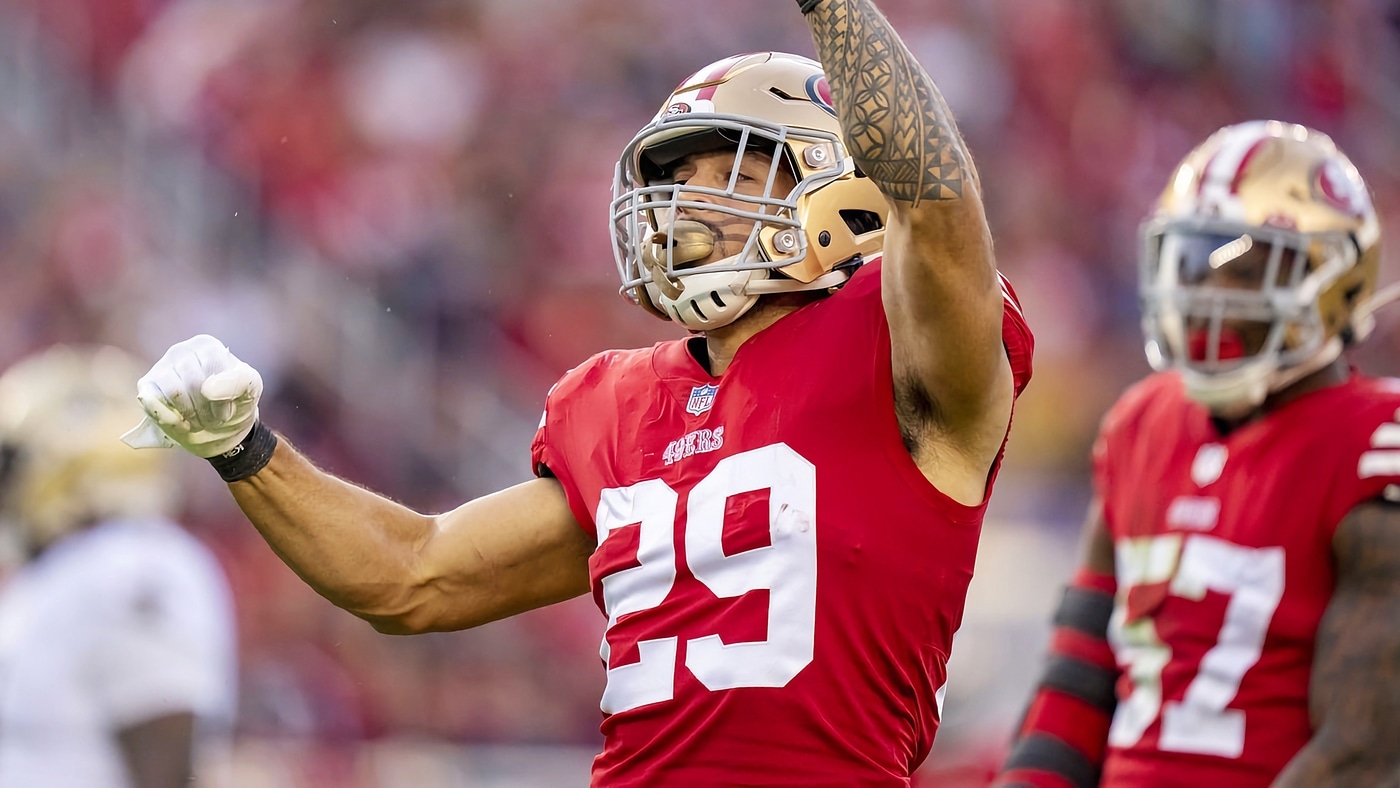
[(1236, 620), (778, 515)]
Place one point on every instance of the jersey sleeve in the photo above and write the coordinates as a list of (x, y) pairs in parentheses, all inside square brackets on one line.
[(166, 645), (1016, 336), (1369, 466), (549, 451)]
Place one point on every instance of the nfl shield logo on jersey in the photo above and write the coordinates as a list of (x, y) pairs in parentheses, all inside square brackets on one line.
[(702, 398)]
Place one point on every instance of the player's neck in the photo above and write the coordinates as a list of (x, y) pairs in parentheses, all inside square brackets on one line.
[(722, 344), (1334, 374)]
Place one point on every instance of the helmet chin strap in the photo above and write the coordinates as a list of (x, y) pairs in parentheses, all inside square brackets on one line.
[(786, 285)]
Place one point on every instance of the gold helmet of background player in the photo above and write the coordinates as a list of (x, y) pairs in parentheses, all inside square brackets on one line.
[(809, 239), (62, 463), (1258, 263)]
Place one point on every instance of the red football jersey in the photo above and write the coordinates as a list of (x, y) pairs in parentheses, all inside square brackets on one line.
[(1224, 566), (781, 582)]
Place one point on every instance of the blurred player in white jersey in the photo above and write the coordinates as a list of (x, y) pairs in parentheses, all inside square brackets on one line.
[(117, 638)]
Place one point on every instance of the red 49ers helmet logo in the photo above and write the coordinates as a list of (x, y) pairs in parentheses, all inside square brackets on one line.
[(819, 91), (1339, 191)]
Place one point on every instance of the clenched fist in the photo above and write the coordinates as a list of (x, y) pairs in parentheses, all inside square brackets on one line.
[(198, 396)]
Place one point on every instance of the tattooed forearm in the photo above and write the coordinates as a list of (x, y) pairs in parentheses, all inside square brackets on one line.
[(1355, 691), (895, 121)]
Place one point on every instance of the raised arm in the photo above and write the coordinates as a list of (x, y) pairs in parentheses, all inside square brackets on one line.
[(942, 295), (1355, 689), (402, 571)]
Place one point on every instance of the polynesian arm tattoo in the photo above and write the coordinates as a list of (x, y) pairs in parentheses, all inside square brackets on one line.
[(896, 122)]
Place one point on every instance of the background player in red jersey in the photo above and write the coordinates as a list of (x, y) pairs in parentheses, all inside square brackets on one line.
[(779, 516), (1236, 620)]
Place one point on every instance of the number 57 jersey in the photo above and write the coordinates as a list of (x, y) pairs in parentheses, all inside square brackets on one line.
[(781, 582), (1223, 557)]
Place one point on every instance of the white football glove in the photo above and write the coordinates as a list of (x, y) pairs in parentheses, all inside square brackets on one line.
[(198, 396)]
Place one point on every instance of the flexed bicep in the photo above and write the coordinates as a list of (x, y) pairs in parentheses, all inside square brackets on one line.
[(498, 555)]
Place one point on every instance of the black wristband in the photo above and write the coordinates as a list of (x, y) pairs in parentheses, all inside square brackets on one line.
[(806, 6), (248, 457)]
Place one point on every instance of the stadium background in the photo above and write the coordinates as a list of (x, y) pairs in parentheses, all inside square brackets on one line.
[(396, 211)]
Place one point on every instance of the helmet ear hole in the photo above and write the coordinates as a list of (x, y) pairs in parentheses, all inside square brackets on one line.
[(861, 222)]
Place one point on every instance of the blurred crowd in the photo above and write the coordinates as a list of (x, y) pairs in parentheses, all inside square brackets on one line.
[(397, 212)]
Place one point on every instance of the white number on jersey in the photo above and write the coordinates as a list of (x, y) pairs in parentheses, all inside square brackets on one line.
[(1200, 721), (787, 567)]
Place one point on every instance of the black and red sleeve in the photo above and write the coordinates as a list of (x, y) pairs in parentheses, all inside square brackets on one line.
[(1063, 736)]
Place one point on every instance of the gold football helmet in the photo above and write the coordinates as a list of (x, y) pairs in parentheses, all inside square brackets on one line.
[(1258, 264), (809, 239), (62, 462)]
